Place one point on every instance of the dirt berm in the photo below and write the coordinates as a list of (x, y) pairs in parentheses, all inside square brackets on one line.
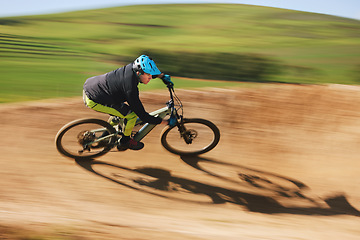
[(287, 167)]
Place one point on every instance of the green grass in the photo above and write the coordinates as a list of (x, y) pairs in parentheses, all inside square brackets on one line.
[(50, 56)]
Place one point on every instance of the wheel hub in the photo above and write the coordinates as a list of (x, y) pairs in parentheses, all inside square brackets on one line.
[(190, 135)]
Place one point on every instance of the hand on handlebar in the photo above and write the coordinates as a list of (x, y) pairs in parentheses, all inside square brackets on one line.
[(167, 80)]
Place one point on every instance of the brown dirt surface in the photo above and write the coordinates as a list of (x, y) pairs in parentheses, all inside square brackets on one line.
[(287, 167)]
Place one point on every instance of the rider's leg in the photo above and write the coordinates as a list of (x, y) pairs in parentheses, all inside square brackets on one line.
[(130, 123), (122, 111), (126, 141), (114, 120)]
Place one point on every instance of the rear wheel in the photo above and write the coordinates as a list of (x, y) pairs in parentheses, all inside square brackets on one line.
[(78, 139), (198, 136)]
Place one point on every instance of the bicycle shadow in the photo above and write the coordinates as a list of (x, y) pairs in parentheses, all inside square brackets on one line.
[(161, 183), (272, 182)]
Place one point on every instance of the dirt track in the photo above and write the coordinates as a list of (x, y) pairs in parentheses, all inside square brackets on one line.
[(287, 167)]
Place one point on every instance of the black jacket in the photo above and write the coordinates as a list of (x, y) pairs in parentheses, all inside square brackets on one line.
[(116, 87)]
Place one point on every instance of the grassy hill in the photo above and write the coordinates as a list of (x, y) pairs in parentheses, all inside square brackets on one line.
[(49, 56)]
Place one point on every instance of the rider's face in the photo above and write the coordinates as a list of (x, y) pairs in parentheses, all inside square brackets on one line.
[(145, 78)]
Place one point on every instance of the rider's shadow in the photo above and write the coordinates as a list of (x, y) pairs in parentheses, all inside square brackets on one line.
[(162, 183)]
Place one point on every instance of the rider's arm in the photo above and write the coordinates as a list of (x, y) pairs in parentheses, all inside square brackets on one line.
[(137, 107), (166, 78)]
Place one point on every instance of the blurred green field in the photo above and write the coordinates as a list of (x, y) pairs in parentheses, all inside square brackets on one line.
[(49, 56)]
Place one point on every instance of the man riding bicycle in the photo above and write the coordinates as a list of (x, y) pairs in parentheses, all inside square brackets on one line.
[(108, 93)]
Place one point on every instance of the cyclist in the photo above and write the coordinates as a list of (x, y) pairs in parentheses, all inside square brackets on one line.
[(108, 93)]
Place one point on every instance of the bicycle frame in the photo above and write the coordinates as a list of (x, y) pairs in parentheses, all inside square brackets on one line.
[(163, 112), (146, 129)]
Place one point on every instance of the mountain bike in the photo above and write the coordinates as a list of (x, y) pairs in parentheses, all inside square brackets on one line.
[(91, 137)]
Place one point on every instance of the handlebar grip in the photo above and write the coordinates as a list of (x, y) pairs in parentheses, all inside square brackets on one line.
[(167, 80)]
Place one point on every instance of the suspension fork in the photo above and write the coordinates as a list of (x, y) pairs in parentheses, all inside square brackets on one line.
[(182, 130)]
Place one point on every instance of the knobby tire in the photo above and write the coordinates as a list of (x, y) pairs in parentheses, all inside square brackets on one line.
[(70, 125), (213, 131)]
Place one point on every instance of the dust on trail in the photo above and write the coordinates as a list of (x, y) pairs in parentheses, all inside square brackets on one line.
[(286, 167)]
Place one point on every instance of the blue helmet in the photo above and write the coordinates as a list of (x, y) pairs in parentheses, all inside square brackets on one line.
[(145, 64)]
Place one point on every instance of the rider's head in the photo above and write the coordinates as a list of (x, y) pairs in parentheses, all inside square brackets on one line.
[(145, 68)]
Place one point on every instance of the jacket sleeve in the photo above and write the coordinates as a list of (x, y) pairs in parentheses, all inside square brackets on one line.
[(137, 106)]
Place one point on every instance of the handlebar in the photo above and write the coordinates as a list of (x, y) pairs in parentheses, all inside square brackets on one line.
[(167, 80)]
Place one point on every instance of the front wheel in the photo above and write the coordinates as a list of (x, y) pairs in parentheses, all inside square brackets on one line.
[(193, 136), (79, 139)]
